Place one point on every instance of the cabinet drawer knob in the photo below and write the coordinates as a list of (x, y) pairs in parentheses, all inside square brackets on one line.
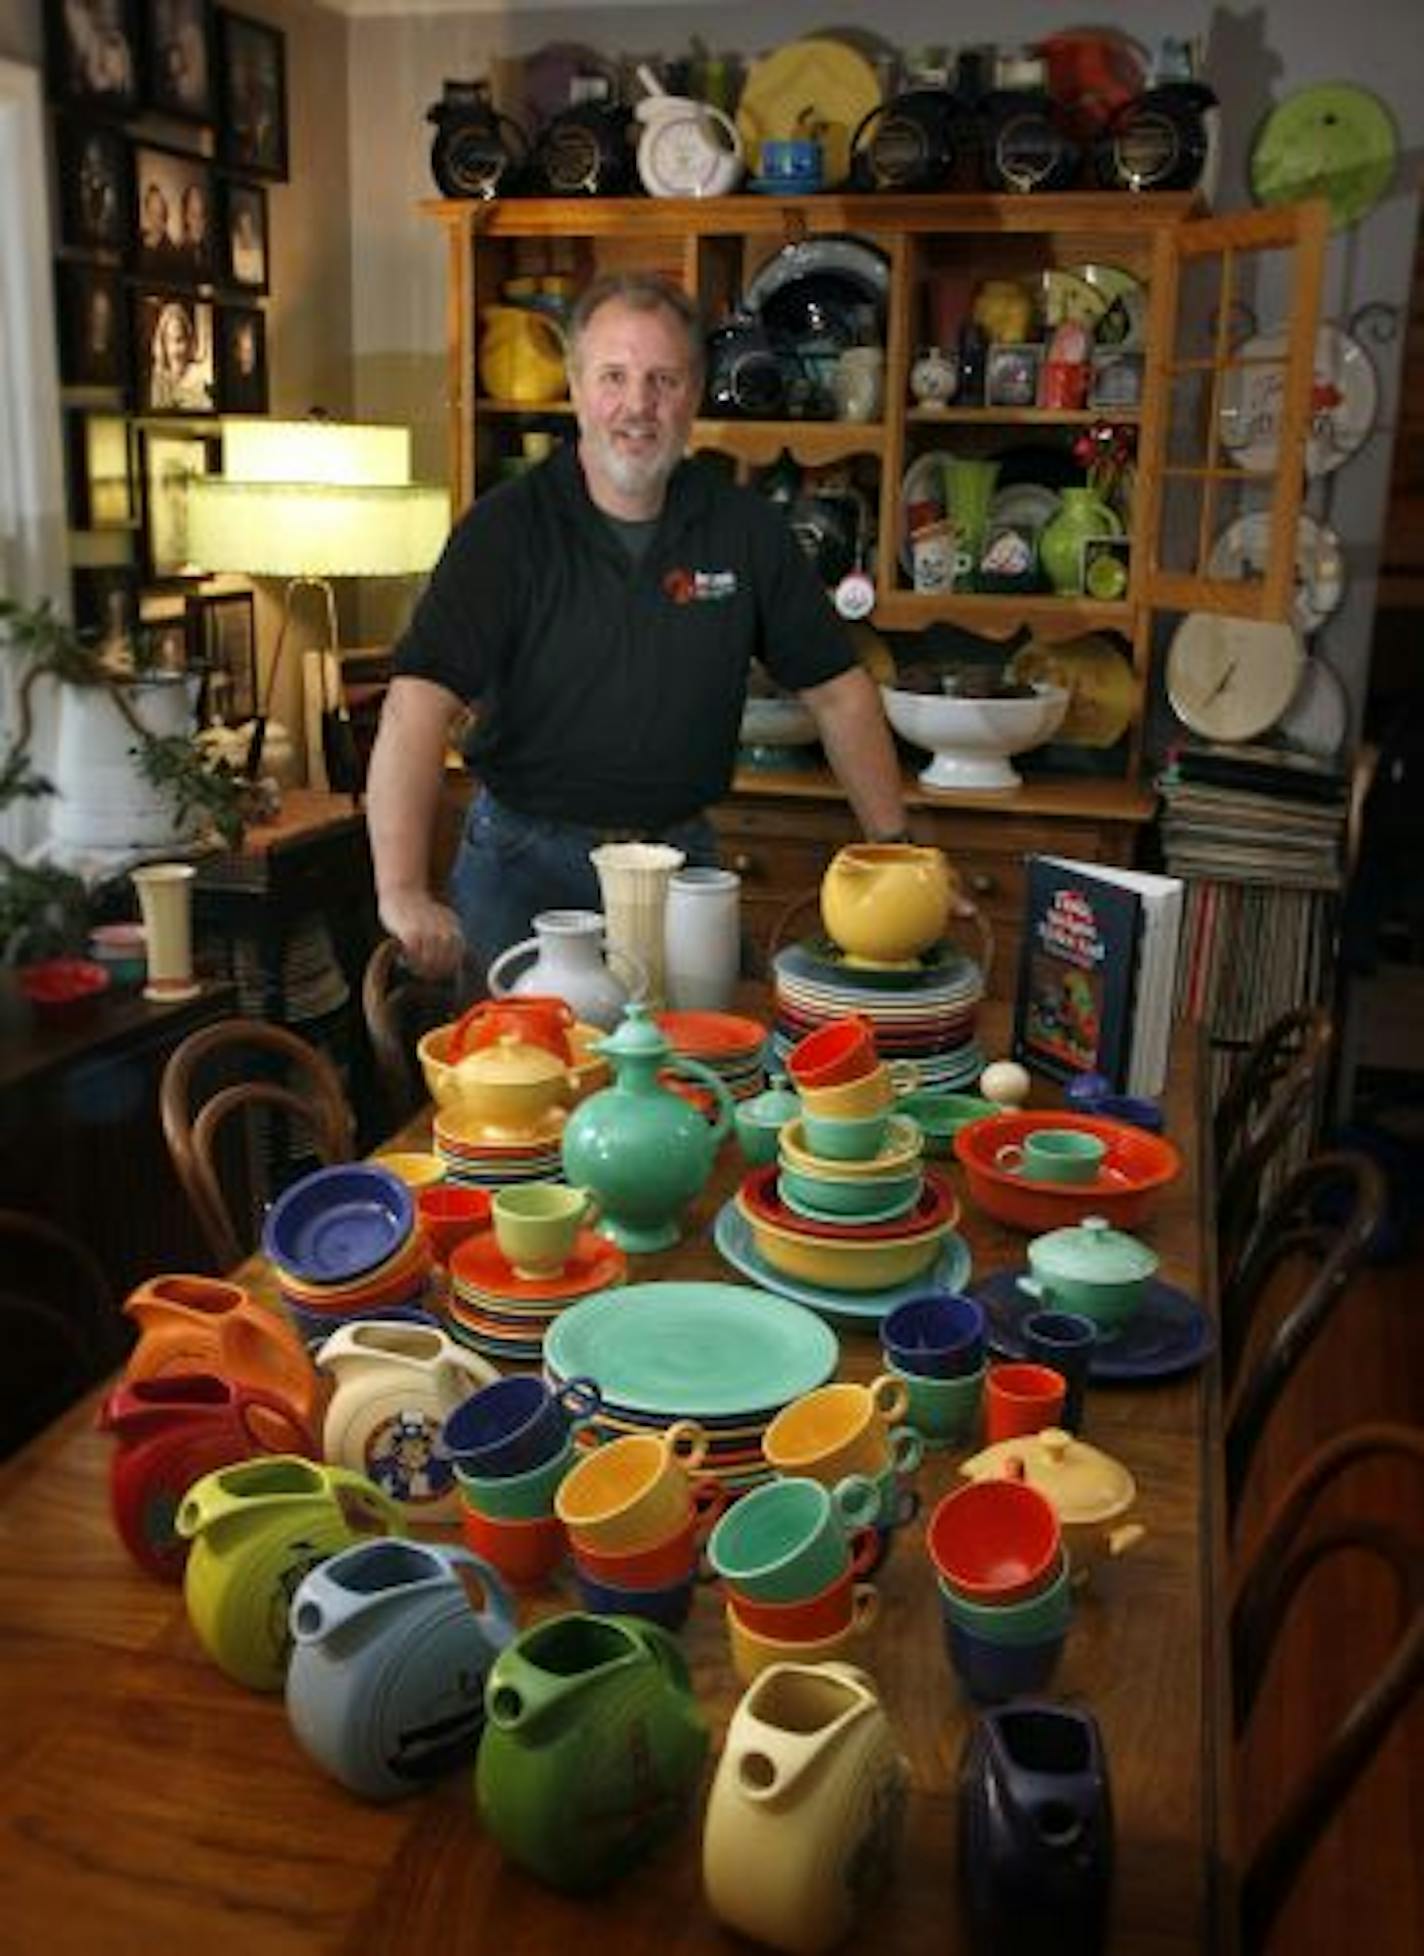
[(982, 883), (744, 864)]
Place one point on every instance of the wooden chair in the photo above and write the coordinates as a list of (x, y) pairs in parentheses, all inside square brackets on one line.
[(311, 1095), (1327, 1215), (399, 1008), (60, 1327), (1265, 1104), (1286, 1554)]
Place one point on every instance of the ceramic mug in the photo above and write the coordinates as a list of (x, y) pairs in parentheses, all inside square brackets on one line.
[(1054, 1154), (833, 1055), (934, 556), (753, 1653), (536, 1225), (1021, 1399), (634, 1491), (789, 1539), (843, 1605), (944, 1412), (870, 1093), (938, 1335), (858, 384), (842, 1428), (516, 1424), (1065, 1342), (846, 1137)]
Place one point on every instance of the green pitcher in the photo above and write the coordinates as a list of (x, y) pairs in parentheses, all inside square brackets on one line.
[(1082, 514), (593, 1747)]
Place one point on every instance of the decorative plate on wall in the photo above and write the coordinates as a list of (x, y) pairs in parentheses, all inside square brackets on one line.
[(1240, 551), (1334, 141), (1345, 399), (1231, 678)]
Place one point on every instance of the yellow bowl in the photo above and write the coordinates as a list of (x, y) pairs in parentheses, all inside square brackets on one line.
[(590, 1071), (904, 1144), (843, 1263), (415, 1169)]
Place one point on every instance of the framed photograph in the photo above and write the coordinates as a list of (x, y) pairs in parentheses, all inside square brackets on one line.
[(178, 58), (101, 488), (1107, 567), (168, 462), (91, 50), (1116, 379), (1011, 376), (242, 360), (242, 236), (92, 339), (173, 353), (252, 95), (106, 603), (92, 161), (163, 623), (174, 222), (222, 640)]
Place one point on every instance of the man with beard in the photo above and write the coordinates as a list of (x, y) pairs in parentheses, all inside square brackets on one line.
[(600, 613)]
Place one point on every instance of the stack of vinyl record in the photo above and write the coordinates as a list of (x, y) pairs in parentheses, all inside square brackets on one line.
[(923, 1012)]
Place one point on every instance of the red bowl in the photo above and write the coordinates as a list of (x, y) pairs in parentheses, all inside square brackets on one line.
[(1136, 1168), (937, 1208), (448, 1213), (995, 1541), (63, 988)]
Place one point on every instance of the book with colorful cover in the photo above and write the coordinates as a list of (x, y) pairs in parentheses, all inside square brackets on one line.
[(1096, 972)]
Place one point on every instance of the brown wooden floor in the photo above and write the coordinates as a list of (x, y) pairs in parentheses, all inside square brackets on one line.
[(1364, 1888)]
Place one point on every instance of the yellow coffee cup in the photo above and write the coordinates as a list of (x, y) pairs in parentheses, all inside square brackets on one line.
[(752, 1653), (873, 1093), (841, 1428), (633, 1492)]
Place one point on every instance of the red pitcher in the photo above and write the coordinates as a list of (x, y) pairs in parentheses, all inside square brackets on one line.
[(172, 1430), (203, 1324)]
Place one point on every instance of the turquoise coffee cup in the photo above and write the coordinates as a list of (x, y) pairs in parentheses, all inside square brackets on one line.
[(1035, 1619), (517, 1497), (945, 1412), (789, 1539)]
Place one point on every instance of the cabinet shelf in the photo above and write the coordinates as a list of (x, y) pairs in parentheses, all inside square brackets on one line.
[(1000, 616), (1025, 417)]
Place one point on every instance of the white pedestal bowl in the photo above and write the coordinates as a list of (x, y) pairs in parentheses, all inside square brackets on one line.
[(971, 739)]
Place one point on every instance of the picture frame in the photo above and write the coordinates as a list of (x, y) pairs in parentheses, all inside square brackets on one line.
[(242, 235), (222, 643), (93, 326), (172, 336), (91, 53), (242, 360), (1116, 378), (105, 602), (174, 227), (179, 74), (94, 171), (252, 95), (101, 484), (169, 459), (1011, 375), (163, 623)]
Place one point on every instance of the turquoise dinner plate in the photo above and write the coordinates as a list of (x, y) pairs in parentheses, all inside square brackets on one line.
[(861, 1309), (705, 1351)]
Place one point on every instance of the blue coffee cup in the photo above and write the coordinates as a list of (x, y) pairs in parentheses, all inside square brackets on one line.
[(1065, 1341), (938, 1335)]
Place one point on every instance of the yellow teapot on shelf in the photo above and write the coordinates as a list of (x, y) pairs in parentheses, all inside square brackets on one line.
[(521, 355)]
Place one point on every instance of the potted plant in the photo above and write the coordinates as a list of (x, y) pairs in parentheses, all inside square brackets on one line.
[(43, 908)]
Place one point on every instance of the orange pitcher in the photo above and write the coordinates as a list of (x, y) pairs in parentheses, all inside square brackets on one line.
[(205, 1324)]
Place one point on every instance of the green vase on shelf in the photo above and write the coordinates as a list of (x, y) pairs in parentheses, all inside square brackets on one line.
[(1082, 514)]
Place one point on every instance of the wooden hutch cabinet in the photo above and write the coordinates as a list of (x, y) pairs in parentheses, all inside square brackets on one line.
[(1201, 276)]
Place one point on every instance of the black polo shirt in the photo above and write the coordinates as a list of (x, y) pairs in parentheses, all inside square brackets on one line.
[(610, 693)]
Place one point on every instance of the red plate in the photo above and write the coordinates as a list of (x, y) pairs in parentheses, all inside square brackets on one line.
[(595, 1264), (711, 1035), (937, 1208), (1136, 1167)]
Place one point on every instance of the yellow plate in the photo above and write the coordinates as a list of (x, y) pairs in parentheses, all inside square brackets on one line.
[(811, 88), (1102, 688)]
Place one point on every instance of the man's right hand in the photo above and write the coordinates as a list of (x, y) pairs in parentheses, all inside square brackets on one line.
[(428, 933)]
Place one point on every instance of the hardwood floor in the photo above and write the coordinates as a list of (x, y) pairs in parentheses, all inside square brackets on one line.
[(1364, 1887)]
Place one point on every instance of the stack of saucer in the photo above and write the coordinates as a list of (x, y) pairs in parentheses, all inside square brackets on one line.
[(490, 1157), (726, 1044), (343, 1243), (505, 1316), (923, 1012)]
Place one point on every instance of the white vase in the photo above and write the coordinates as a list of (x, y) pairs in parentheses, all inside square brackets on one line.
[(703, 939), (102, 799), (165, 898), (633, 877)]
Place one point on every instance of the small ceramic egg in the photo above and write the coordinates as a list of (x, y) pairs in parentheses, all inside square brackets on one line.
[(1005, 1082)]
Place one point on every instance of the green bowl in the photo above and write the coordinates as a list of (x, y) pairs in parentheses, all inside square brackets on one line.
[(939, 1116)]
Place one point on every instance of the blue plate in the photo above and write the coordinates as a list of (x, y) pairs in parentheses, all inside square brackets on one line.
[(860, 1308), (1169, 1332), (337, 1223)]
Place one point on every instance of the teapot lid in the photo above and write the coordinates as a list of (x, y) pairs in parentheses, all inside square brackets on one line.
[(1082, 1482), (1092, 1250), (636, 1036)]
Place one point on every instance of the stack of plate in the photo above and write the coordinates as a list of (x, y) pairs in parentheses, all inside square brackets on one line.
[(924, 1012), (729, 1046), (344, 1244), (722, 1354), (503, 1315), (490, 1157), (313, 986)]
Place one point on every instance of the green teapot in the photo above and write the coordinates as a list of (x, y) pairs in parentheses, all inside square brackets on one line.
[(593, 1747), (643, 1150)]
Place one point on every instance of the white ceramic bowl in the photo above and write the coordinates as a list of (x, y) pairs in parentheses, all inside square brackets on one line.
[(971, 740)]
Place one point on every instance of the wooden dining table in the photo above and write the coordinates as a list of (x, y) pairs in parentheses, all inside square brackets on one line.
[(150, 1805)]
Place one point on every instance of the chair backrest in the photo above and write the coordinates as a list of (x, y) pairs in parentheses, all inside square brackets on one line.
[(1263, 1107), (399, 1008), (1326, 1216), (310, 1095), (1285, 1555), (60, 1327)]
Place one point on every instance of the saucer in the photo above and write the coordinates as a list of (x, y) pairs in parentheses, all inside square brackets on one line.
[(594, 1265), (1168, 1333)]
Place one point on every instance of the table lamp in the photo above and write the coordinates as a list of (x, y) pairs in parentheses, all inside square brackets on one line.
[(310, 501)]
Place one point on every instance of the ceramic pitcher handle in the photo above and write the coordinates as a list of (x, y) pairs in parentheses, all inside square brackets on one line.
[(256, 1399), (505, 958), (722, 1126)]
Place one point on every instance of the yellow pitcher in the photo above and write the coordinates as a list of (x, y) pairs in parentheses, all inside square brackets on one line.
[(521, 355), (886, 903)]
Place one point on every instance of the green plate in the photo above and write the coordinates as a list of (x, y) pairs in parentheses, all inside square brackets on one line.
[(1334, 141), (700, 1351), (861, 1310)]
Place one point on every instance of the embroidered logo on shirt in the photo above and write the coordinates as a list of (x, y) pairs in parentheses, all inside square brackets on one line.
[(699, 586)]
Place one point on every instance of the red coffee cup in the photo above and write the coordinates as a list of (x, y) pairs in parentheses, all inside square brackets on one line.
[(833, 1054), (1021, 1399)]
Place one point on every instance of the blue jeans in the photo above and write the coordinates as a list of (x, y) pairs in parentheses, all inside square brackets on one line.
[(509, 867)]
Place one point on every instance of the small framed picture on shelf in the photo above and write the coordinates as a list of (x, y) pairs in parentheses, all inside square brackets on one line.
[(1107, 567), (1116, 378), (92, 53), (168, 461), (173, 353), (101, 487), (243, 236), (1011, 376), (222, 642), (163, 625), (92, 163), (173, 216), (179, 66), (242, 360), (106, 603), (92, 338), (252, 95)]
